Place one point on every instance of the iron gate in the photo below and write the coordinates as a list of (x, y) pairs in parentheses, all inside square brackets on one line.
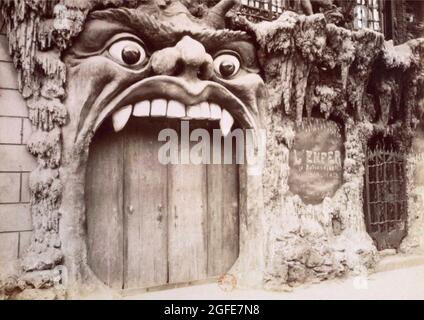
[(385, 197)]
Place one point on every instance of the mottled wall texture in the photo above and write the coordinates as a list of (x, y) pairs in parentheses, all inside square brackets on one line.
[(315, 69)]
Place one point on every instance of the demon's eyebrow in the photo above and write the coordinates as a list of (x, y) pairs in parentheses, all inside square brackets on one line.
[(151, 29)]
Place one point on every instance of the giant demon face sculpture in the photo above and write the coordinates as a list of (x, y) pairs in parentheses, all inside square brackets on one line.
[(157, 61), (125, 57)]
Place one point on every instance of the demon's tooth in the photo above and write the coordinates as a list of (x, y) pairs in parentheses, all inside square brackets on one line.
[(204, 110), (215, 111), (142, 109), (175, 109), (226, 122), (158, 108), (121, 117), (194, 112)]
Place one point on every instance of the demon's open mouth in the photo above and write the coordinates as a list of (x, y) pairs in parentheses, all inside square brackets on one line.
[(152, 224), (172, 223)]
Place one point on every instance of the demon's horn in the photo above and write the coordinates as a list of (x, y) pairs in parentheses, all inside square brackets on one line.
[(215, 16)]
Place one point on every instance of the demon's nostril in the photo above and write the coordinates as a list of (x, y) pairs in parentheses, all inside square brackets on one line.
[(201, 74), (201, 71), (204, 71), (179, 67)]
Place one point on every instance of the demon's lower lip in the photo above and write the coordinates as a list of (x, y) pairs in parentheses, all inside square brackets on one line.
[(188, 93)]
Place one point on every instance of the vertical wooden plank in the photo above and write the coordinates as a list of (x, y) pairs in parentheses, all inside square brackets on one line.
[(187, 221), (145, 197), (223, 216), (104, 179)]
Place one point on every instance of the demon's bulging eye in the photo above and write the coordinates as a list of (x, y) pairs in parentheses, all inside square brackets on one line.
[(128, 52), (226, 64)]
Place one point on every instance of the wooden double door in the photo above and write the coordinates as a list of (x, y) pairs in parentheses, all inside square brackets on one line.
[(150, 224)]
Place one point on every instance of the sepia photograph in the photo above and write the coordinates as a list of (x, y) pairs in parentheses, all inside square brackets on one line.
[(203, 152)]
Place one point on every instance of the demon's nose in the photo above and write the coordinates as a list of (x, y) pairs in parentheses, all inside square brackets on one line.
[(187, 59)]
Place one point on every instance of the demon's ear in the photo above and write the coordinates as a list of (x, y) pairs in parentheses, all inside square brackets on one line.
[(216, 15)]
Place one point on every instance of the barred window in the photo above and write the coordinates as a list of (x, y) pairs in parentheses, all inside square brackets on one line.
[(278, 6), (266, 9), (368, 15), (259, 4)]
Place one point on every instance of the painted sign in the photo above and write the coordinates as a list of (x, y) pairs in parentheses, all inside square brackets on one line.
[(316, 160)]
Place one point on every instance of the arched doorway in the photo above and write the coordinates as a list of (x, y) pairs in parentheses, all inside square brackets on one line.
[(385, 200), (150, 224)]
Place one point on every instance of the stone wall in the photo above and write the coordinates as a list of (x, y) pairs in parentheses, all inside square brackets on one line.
[(15, 165)]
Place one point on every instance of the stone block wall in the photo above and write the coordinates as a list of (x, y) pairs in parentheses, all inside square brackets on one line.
[(15, 165)]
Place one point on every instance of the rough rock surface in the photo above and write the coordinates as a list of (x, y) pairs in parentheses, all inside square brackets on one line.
[(356, 79)]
